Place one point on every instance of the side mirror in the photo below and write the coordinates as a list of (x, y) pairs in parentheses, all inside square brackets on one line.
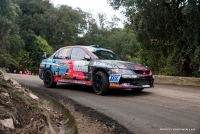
[(67, 57), (87, 57)]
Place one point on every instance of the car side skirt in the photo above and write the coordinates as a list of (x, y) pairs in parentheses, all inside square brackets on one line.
[(63, 80)]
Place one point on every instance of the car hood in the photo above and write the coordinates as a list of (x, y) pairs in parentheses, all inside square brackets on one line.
[(119, 64)]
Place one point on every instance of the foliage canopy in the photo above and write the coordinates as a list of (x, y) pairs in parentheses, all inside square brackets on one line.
[(162, 34), (169, 33)]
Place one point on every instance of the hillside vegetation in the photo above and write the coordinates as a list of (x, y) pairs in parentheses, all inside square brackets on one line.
[(162, 34), (21, 112)]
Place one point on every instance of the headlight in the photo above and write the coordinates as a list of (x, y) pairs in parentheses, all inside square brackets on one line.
[(121, 71)]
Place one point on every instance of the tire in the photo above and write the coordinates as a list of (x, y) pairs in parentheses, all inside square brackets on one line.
[(137, 89), (49, 79), (100, 83)]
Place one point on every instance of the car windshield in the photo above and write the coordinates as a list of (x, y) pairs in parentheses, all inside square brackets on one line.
[(104, 54)]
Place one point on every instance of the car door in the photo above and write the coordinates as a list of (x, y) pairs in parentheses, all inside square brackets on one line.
[(80, 65), (62, 63)]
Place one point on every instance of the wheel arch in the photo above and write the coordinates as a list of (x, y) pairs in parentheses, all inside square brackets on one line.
[(100, 81), (96, 70), (45, 69), (49, 79)]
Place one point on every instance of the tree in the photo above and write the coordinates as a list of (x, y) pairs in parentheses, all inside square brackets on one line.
[(168, 31), (40, 46), (91, 33), (124, 43), (8, 17), (10, 41)]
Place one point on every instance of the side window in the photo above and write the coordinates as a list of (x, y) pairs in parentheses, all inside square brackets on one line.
[(63, 54), (78, 54)]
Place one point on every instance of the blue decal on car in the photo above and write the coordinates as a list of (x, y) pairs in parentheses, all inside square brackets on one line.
[(114, 78)]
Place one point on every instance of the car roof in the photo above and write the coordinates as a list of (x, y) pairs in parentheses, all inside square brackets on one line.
[(89, 47)]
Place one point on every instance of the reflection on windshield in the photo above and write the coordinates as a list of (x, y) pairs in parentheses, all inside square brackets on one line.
[(105, 55)]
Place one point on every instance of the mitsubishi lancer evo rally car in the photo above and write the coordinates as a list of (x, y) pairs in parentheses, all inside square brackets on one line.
[(94, 66)]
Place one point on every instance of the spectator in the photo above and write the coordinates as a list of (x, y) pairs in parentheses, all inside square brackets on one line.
[(44, 56)]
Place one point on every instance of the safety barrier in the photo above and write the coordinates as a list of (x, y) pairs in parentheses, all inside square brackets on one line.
[(190, 81)]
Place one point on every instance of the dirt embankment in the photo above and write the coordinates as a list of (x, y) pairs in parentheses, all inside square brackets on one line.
[(23, 112)]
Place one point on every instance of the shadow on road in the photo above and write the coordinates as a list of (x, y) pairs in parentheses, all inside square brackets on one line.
[(112, 92), (128, 92)]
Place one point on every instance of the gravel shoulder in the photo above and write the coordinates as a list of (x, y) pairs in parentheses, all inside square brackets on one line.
[(87, 119)]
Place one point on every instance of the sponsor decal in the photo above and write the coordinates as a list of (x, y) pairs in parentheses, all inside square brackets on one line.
[(48, 61), (86, 63), (73, 81), (80, 77), (129, 76), (114, 78), (42, 65), (61, 73), (81, 66), (96, 63), (113, 85), (56, 73), (60, 69), (125, 84), (119, 65), (81, 63), (54, 66), (145, 85), (63, 66)]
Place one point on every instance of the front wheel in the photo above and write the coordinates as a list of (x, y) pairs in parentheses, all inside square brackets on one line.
[(100, 83), (49, 79)]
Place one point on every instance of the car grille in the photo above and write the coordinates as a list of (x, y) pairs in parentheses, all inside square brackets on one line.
[(143, 82), (136, 81)]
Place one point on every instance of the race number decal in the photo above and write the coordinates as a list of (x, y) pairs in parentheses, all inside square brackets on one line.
[(114, 78), (65, 51)]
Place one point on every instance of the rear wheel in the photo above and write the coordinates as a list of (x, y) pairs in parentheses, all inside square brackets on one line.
[(100, 83), (49, 79), (137, 89)]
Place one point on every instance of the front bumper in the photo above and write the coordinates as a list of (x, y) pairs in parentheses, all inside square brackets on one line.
[(145, 82), (115, 85)]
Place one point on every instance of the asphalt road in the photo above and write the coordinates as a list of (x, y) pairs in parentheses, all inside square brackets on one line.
[(164, 109)]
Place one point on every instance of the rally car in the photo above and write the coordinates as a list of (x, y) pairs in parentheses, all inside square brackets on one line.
[(94, 66)]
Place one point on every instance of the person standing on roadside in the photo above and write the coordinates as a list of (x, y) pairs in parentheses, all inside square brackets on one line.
[(44, 56)]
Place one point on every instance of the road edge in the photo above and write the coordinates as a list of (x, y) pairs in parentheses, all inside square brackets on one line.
[(94, 115)]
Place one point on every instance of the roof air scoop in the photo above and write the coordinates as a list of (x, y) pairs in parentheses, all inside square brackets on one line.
[(94, 45)]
